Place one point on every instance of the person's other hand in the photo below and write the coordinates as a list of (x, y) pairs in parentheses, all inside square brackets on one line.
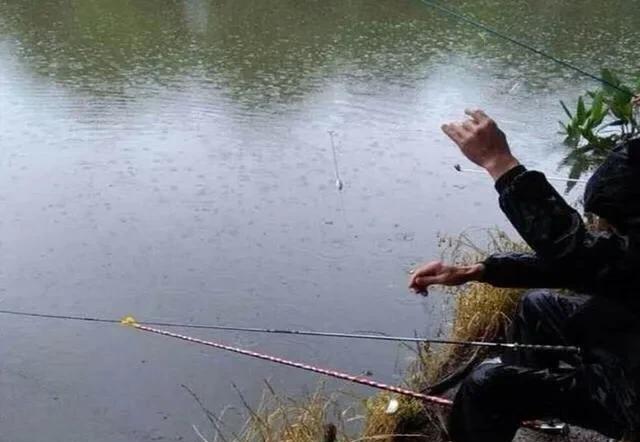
[(482, 142), (435, 272)]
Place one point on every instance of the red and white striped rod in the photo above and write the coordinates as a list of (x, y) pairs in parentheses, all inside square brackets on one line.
[(129, 321)]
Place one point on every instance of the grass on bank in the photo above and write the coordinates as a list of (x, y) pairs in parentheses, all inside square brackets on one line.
[(481, 312)]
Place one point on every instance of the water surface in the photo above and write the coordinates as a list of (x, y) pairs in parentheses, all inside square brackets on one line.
[(171, 160)]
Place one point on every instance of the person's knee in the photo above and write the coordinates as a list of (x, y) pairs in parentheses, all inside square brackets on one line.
[(533, 302), (478, 415), (481, 381), (471, 404), (536, 298)]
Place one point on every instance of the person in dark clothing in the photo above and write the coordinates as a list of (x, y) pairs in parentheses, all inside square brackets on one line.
[(601, 390)]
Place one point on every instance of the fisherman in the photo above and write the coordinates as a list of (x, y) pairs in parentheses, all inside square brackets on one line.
[(601, 390)]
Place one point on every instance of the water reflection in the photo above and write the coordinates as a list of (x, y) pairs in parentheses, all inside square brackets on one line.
[(271, 51)]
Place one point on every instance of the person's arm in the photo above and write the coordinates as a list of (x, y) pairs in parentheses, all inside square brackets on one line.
[(545, 221), (512, 270), (481, 141), (593, 262), (524, 270), (552, 228)]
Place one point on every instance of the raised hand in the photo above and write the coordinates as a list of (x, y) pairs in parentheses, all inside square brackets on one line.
[(482, 142)]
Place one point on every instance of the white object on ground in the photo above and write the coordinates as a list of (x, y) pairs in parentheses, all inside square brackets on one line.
[(392, 407)]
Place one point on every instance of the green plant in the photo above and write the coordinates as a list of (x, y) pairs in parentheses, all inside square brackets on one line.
[(602, 118)]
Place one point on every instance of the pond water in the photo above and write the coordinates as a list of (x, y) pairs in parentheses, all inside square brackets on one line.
[(172, 160)]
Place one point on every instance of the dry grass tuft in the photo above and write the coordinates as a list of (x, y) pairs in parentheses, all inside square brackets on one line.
[(407, 423), (481, 312), (314, 418), (322, 417)]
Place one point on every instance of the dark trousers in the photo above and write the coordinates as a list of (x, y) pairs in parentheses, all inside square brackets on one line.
[(496, 397)]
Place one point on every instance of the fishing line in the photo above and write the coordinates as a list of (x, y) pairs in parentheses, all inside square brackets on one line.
[(339, 183), (496, 345), (459, 168), (63, 317), (448, 11)]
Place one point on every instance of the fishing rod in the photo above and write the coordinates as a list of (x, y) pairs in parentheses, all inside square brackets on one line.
[(458, 15), (367, 336), (131, 322), (459, 168), (392, 406)]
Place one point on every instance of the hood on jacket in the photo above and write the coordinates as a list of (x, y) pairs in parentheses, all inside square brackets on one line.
[(613, 192)]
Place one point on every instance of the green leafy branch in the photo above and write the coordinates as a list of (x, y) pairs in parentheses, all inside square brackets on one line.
[(602, 118)]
